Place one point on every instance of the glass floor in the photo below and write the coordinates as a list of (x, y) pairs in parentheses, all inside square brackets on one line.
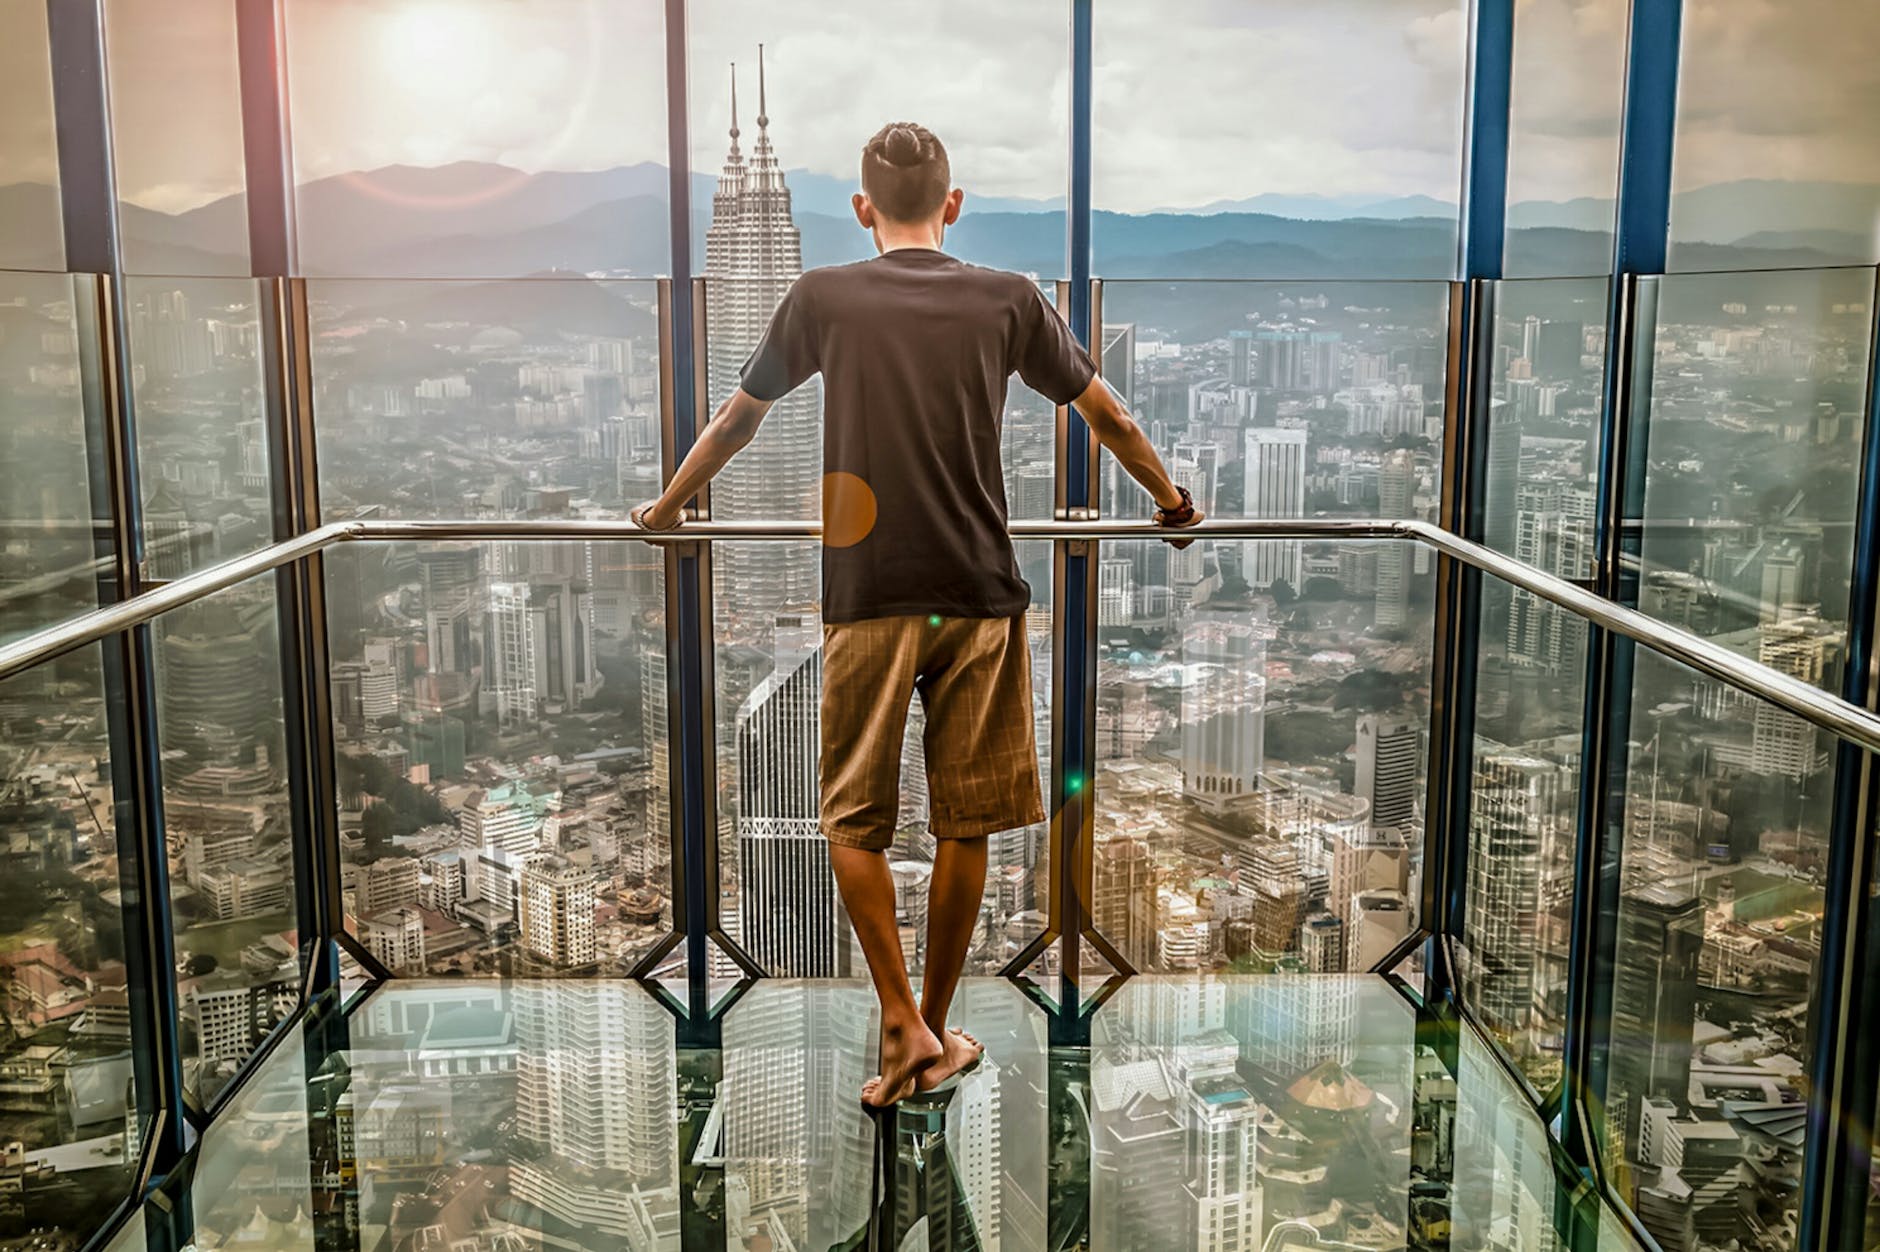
[(1274, 1113)]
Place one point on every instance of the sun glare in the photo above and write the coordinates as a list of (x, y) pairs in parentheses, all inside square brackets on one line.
[(434, 46)]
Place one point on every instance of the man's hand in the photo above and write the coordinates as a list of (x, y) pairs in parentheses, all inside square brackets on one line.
[(1181, 517), (657, 515)]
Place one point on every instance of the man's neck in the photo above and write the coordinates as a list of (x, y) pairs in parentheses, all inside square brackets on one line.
[(896, 238)]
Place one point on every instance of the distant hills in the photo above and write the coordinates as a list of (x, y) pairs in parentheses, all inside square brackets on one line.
[(480, 220)]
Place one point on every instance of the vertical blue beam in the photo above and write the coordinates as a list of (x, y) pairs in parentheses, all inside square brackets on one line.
[(688, 752), (1844, 1066), (267, 157), (87, 179), (1480, 244), (1073, 695), (1640, 241)]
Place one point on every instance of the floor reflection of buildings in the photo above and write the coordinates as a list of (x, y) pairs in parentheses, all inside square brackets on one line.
[(502, 1115), (1230, 1116)]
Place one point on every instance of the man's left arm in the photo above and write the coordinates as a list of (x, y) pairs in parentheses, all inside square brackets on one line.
[(732, 426)]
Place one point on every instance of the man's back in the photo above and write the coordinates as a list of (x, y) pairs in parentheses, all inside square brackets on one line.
[(915, 348)]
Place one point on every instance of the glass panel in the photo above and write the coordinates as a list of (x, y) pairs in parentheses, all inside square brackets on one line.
[(1563, 136), (501, 718), (176, 137), (1197, 180), (1506, 1193), (32, 232), (778, 893), (997, 102), (1718, 931), (1281, 400), (1757, 407), (1232, 1112), (467, 400), (1543, 424), (202, 429), (1776, 136), (65, 1054), (970, 1164), (271, 1162), (1261, 753), (51, 552), (229, 826), (132, 1236), (479, 138), (559, 1101), (1523, 798)]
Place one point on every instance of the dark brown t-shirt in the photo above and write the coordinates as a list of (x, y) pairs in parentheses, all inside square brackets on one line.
[(915, 348)]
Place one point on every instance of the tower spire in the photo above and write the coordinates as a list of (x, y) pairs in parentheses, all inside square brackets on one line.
[(763, 112), (734, 103)]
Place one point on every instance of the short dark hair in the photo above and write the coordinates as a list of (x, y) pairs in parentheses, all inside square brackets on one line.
[(905, 174)]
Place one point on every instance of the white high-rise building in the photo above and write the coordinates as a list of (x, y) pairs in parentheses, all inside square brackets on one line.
[(596, 1087), (1223, 707), (509, 654), (396, 939), (1276, 488), (1396, 498), (1783, 743), (790, 920), (753, 253), (555, 908)]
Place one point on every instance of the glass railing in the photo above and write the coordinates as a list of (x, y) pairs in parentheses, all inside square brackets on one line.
[(492, 823), (1260, 709)]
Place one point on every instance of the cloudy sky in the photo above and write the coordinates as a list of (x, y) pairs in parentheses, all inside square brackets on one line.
[(1196, 100)]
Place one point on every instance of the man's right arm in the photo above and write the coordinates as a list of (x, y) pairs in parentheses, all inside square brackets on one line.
[(1116, 430)]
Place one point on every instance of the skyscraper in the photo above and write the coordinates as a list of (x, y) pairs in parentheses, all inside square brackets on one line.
[(1512, 816), (555, 911), (1390, 748), (1396, 495), (789, 893), (509, 654), (753, 253), (1654, 1001), (449, 575), (1276, 488), (595, 1091), (1223, 708)]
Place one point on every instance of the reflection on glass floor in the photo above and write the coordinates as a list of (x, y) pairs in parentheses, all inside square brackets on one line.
[(1274, 1114)]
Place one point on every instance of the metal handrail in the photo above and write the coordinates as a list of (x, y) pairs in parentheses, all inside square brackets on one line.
[(1812, 704)]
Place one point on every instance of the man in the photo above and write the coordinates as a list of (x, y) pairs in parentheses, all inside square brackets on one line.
[(921, 591)]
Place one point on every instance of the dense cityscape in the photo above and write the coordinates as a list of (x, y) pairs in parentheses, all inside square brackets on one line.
[(1262, 712)]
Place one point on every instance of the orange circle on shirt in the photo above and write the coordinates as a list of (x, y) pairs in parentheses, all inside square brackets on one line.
[(848, 509)]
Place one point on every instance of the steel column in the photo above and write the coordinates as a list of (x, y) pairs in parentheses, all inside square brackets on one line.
[(687, 578), (1075, 665), (1844, 1068), (1640, 241), (287, 396), (82, 110), (1469, 369)]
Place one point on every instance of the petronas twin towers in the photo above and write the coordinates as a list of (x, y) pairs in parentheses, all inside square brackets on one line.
[(753, 253)]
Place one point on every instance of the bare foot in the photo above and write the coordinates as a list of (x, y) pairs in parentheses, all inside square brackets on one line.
[(961, 1050), (906, 1054)]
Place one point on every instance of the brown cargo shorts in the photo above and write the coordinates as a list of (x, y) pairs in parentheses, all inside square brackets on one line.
[(973, 676)]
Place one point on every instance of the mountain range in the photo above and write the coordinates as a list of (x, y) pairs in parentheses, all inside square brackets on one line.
[(480, 220)]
